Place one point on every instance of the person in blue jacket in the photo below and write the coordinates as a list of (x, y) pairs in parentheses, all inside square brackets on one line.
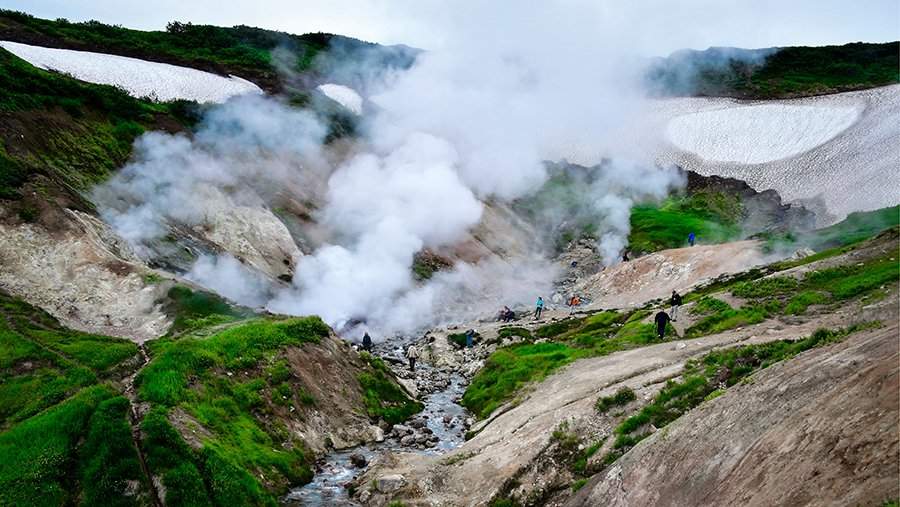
[(691, 238), (538, 308)]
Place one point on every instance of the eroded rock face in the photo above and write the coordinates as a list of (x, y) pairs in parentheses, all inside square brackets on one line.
[(509, 444), (820, 429), (258, 238), (328, 372), (82, 274)]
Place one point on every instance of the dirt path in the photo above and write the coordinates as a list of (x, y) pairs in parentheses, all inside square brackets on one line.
[(514, 435)]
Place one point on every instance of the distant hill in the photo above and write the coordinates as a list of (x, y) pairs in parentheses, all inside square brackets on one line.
[(774, 73), (240, 50)]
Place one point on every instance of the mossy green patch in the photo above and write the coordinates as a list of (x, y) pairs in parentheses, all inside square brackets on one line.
[(712, 216), (38, 456), (384, 399)]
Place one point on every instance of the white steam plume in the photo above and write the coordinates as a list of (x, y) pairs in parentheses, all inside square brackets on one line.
[(470, 122)]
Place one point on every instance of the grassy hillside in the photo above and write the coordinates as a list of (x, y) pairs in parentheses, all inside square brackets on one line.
[(862, 279), (65, 435), (713, 216), (856, 227), (74, 134), (778, 72), (240, 50)]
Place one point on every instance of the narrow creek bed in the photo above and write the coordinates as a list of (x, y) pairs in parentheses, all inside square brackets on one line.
[(442, 415)]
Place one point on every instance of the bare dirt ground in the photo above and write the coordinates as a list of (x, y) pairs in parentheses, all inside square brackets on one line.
[(656, 275), (514, 435), (83, 275), (826, 419)]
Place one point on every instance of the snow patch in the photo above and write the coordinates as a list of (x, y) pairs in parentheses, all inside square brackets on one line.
[(759, 133), (343, 95), (139, 78)]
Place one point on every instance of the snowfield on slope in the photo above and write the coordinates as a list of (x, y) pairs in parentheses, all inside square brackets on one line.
[(140, 78), (343, 95), (758, 133), (835, 154)]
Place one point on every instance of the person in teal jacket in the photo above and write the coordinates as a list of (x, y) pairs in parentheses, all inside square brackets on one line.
[(538, 308)]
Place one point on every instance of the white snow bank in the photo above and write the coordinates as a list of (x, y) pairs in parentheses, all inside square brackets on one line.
[(343, 95), (139, 78), (758, 133)]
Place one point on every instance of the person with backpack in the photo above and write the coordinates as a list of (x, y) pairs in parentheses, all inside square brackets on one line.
[(661, 319), (691, 238), (538, 308), (675, 300), (367, 343), (412, 353)]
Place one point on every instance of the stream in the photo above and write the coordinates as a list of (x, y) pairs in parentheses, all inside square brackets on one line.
[(336, 470)]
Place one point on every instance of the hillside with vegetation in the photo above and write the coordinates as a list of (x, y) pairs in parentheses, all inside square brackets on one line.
[(583, 392), (240, 50), (214, 412), (776, 73)]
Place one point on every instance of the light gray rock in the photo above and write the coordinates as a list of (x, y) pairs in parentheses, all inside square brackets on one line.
[(389, 483)]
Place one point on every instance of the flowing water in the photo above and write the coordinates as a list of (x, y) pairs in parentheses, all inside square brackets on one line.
[(328, 487)]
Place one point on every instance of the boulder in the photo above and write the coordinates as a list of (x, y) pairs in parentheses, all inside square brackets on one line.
[(358, 460), (389, 483)]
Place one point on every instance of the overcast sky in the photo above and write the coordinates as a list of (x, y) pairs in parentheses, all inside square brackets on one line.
[(426, 23)]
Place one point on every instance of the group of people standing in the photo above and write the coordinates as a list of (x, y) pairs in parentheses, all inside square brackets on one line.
[(412, 353)]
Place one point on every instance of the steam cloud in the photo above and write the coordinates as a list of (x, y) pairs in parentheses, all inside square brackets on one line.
[(468, 124)]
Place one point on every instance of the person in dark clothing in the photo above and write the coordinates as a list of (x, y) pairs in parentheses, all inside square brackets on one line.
[(662, 318), (675, 300), (367, 343), (691, 238), (470, 338), (625, 256)]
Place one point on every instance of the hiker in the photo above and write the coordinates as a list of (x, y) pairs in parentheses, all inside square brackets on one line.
[(508, 315), (412, 353), (538, 308), (661, 319), (675, 300), (367, 343), (691, 238), (470, 338), (625, 256)]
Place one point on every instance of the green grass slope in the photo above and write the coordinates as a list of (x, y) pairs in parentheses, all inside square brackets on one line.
[(778, 72), (67, 133), (240, 50)]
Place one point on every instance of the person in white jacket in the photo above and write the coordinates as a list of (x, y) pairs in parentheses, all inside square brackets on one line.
[(412, 353)]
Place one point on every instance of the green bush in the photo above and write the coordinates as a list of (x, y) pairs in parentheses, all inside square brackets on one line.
[(622, 397), (799, 303), (459, 339), (509, 332), (709, 305), (766, 287)]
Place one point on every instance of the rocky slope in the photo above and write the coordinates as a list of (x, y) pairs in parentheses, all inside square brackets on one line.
[(827, 420), (523, 451)]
